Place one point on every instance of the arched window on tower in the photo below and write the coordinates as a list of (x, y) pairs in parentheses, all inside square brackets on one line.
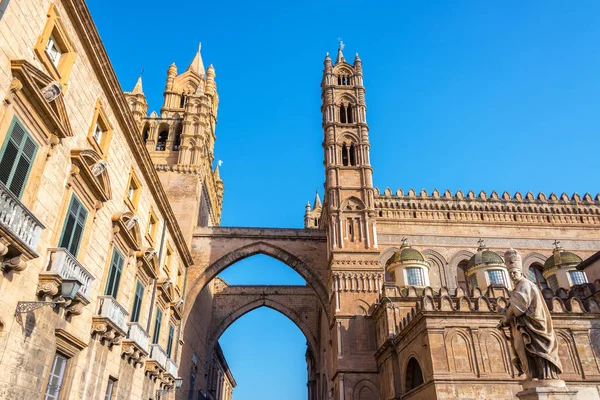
[(177, 140), (161, 143), (461, 277), (349, 117), (182, 101), (145, 133), (535, 275), (342, 113), (414, 375), (352, 155), (344, 155)]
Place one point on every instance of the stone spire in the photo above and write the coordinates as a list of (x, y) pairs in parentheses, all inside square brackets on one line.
[(137, 89), (317, 202), (340, 55), (197, 65)]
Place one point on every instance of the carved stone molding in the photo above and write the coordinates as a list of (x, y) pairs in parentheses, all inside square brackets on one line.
[(154, 370), (107, 332), (133, 353), (16, 264), (48, 285)]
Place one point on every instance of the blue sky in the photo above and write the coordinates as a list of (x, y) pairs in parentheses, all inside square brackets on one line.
[(460, 95)]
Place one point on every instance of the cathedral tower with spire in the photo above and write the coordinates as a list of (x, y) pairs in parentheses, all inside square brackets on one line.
[(348, 217), (181, 142)]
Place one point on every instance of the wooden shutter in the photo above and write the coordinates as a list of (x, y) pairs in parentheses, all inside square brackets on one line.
[(114, 274), (137, 302), (18, 154), (157, 323), (73, 228), (170, 342)]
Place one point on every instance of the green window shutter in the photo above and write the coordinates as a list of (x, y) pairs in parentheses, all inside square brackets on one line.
[(16, 158), (114, 274), (73, 227), (157, 323), (170, 342), (137, 302)]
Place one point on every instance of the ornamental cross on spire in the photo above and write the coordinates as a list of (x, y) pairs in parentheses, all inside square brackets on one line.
[(556, 244), (404, 242), (481, 243), (342, 45)]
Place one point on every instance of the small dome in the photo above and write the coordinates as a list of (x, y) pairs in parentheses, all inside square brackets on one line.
[(484, 256), (561, 257), (406, 254)]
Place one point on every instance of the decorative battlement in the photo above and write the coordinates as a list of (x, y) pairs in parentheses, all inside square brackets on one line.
[(580, 299), (493, 208)]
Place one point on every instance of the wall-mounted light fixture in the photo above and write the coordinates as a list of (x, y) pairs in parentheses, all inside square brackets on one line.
[(68, 290)]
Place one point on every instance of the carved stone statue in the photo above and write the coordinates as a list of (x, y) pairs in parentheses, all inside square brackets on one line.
[(532, 334)]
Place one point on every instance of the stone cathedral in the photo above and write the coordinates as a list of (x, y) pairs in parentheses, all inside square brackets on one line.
[(111, 245)]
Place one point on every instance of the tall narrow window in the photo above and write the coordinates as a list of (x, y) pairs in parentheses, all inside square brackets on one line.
[(73, 227), (137, 302), (535, 276), (344, 155), (145, 134), (350, 117), (414, 375), (177, 140), (57, 376), (157, 323), (182, 101), (553, 283), (170, 341), (352, 155), (114, 274), (16, 158), (461, 278), (342, 113), (110, 388), (350, 223), (473, 281)]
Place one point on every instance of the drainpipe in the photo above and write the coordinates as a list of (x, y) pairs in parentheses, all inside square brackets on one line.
[(160, 252)]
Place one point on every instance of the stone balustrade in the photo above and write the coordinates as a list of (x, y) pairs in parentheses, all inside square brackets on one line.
[(17, 221), (62, 263), (172, 368), (159, 355), (138, 335), (109, 308)]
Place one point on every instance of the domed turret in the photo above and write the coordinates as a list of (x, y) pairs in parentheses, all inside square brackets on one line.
[(560, 269), (408, 267), (486, 268)]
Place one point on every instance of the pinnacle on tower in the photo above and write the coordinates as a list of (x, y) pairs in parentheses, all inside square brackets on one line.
[(317, 202), (197, 65), (137, 89), (340, 55)]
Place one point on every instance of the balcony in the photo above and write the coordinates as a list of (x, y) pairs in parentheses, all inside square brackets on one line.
[(135, 346), (62, 265), (110, 322), (172, 368), (157, 361), (20, 231)]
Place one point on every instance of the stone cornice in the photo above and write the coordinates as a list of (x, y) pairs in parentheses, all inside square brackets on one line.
[(88, 35)]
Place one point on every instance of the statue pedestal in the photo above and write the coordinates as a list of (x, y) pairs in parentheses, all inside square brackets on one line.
[(546, 390)]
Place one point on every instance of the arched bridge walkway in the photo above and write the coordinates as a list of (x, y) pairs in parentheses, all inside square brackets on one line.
[(298, 303), (216, 248)]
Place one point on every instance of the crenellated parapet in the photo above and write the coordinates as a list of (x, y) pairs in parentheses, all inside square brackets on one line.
[(495, 208)]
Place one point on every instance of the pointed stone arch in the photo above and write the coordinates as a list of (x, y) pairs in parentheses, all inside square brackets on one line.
[(260, 247), (310, 332)]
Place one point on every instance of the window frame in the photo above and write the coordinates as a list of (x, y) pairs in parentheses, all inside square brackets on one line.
[(74, 199), (51, 374), (113, 289), (26, 136), (55, 28), (489, 277), (576, 271), (419, 270), (136, 308), (111, 388), (152, 226), (157, 325), (134, 182), (553, 284), (100, 119), (170, 338)]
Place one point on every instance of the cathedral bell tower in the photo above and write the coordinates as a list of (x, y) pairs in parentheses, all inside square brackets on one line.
[(349, 195), (348, 218)]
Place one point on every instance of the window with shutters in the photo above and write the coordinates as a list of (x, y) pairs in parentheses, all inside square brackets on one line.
[(16, 158), (157, 324), (170, 340), (100, 133), (57, 375), (73, 227), (137, 302), (54, 48), (114, 274)]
